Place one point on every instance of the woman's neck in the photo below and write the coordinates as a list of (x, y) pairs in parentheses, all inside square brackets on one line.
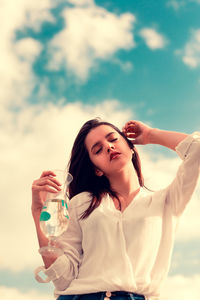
[(125, 183)]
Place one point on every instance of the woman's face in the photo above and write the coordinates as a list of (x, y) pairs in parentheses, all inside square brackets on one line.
[(108, 150)]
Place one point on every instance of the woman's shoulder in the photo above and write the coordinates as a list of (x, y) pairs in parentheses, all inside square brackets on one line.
[(82, 199), (154, 197)]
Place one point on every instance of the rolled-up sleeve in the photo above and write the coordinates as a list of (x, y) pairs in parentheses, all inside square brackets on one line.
[(65, 268), (179, 192)]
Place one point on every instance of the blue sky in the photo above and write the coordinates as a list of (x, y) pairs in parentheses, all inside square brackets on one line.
[(63, 62)]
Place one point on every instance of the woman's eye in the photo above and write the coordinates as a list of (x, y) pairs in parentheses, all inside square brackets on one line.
[(98, 151), (113, 140)]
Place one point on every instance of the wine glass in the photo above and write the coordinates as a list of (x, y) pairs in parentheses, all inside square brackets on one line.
[(54, 215)]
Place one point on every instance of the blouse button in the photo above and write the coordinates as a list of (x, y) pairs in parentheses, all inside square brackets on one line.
[(108, 294)]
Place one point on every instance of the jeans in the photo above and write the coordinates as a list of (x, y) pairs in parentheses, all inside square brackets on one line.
[(119, 295)]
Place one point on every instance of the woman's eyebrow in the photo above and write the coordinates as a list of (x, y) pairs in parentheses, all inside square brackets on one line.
[(98, 142)]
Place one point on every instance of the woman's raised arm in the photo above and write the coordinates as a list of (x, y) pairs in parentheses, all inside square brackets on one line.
[(142, 134), (180, 191)]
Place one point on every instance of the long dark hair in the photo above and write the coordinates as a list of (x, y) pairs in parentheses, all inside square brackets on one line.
[(83, 171)]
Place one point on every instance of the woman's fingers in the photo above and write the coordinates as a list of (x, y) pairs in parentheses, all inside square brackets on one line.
[(44, 182), (137, 131), (131, 126), (51, 175), (134, 133), (47, 173), (40, 187), (44, 188), (131, 132), (50, 180)]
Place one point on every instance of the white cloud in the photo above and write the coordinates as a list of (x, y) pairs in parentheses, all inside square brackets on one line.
[(8, 293), (153, 39), (25, 13), (17, 78), (191, 52), (189, 223), (176, 4), (81, 2), (97, 35), (181, 288), (27, 49), (126, 66)]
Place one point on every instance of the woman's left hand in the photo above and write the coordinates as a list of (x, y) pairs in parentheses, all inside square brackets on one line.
[(137, 131)]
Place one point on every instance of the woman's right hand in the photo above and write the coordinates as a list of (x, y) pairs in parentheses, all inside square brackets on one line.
[(40, 187), (137, 131)]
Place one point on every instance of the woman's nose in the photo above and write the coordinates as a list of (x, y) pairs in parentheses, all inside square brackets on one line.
[(110, 147)]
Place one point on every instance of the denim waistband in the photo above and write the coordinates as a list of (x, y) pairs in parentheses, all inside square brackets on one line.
[(123, 293), (118, 295)]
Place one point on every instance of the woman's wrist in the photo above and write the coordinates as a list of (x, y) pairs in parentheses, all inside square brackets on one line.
[(152, 135), (36, 215), (169, 139)]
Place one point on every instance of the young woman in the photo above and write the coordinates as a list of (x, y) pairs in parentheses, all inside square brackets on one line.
[(120, 236)]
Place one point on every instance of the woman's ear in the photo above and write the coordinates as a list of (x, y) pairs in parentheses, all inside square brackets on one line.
[(98, 172)]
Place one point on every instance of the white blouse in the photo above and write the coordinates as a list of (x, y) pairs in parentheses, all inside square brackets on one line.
[(130, 250)]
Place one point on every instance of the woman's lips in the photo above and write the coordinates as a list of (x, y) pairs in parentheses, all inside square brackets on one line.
[(114, 155)]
